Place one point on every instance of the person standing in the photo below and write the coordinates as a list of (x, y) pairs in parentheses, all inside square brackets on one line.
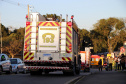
[(110, 60), (116, 63), (122, 62), (100, 65), (119, 64)]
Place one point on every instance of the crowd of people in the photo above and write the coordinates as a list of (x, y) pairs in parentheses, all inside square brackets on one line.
[(119, 63)]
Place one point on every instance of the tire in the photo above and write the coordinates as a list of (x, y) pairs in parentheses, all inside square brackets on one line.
[(32, 73), (0, 70), (106, 69), (78, 71), (39, 72), (17, 71), (10, 71), (73, 71), (35, 72), (24, 71), (87, 70), (46, 72), (64, 73), (68, 73), (79, 66)]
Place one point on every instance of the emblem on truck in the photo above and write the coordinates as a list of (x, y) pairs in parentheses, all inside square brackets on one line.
[(48, 37)]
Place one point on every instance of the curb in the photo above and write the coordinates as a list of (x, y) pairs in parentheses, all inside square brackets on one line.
[(77, 79), (74, 80)]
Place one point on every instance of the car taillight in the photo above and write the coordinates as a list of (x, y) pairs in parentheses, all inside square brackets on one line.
[(105, 64)]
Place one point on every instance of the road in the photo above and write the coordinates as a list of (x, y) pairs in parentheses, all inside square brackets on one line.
[(94, 77), (54, 77), (105, 77)]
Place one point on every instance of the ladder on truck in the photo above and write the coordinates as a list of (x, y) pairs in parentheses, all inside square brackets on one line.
[(33, 38), (63, 26), (63, 37)]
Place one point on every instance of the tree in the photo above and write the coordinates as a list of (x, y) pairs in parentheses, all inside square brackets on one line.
[(4, 30), (85, 40), (14, 46), (105, 34), (19, 33), (54, 16)]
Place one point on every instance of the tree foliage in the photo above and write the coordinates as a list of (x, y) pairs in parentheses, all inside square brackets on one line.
[(85, 40), (106, 34), (14, 47), (5, 31), (13, 42), (54, 16)]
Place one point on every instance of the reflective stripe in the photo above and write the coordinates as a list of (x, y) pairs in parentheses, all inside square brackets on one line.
[(67, 58)]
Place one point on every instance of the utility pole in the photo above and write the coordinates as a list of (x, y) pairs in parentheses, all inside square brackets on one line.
[(1, 34), (28, 12), (30, 7)]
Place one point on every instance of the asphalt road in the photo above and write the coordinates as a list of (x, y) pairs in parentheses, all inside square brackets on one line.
[(104, 77), (94, 77), (51, 78)]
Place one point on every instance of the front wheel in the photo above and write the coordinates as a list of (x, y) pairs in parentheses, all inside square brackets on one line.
[(17, 71), (10, 70), (0, 70)]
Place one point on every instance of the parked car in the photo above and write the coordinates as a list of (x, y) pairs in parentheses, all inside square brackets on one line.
[(17, 65), (5, 65)]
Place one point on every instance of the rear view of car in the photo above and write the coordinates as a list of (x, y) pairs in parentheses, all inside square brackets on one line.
[(17, 65)]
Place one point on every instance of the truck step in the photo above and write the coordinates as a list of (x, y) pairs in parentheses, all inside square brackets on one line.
[(63, 32), (62, 45), (47, 67), (33, 32), (32, 37), (32, 43), (62, 38), (63, 26), (47, 61)]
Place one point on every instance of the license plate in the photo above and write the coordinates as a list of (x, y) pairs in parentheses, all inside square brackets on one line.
[(48, 55)]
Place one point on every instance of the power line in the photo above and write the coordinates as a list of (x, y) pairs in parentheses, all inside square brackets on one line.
[(15, 3), (19, 4)]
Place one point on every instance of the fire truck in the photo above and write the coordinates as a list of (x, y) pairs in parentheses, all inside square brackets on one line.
[(85, 60), (51, 45)]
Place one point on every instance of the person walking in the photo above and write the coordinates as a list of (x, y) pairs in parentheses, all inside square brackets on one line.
[(119, 64), (100, 65)]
